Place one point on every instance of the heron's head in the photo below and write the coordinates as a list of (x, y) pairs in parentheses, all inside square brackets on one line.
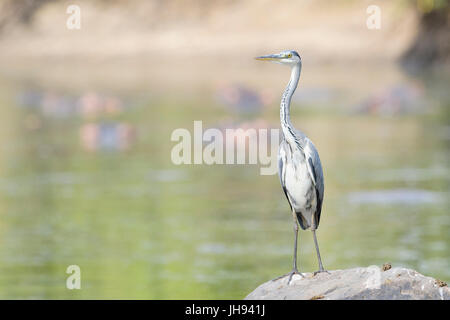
[(289, 57)]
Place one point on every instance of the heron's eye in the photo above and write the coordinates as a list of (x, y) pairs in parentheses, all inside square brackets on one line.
[(289, 55)]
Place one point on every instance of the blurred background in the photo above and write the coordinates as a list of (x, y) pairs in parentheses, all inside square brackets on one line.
[(86, 117)]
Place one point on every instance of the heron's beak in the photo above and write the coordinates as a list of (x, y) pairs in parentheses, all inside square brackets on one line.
[(270, 57)]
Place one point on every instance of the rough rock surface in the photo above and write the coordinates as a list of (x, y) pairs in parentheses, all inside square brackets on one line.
[(371, 283)]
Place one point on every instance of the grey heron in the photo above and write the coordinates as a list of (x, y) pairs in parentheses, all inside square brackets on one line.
[(299, 167)]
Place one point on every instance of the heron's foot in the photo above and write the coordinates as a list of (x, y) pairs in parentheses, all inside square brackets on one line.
[(290, 275), (321, 271)]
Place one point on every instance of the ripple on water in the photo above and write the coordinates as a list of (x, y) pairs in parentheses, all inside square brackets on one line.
[(168, 175), (395, 196), (409, 174)]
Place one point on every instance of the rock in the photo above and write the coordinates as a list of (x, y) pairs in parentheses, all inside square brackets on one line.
[(371, 283)]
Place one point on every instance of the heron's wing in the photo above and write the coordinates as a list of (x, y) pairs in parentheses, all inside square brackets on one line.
[(315, 170)]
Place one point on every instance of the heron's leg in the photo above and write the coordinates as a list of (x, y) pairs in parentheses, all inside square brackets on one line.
[(294, 267), (321, 269)]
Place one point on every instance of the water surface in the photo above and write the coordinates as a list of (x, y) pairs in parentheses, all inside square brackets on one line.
[(86, 178)]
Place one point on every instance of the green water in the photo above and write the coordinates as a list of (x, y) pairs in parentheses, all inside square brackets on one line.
[(141, 227)]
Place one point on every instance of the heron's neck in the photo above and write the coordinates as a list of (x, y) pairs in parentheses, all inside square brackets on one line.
[(285, 118)]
